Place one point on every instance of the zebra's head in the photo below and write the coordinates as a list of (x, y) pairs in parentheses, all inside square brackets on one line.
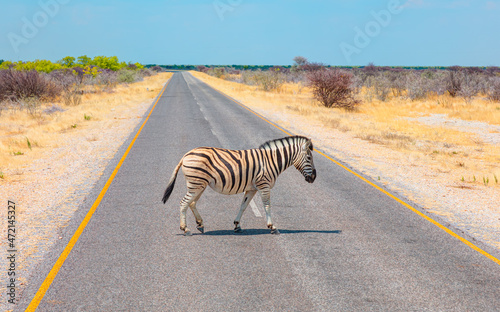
[(304, 161)]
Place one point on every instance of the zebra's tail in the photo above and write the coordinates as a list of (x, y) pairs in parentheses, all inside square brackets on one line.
[(171, 183)]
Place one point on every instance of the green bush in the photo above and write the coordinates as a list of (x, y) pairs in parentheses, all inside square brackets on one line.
[(127, 76), (46, 66), (108, 63)]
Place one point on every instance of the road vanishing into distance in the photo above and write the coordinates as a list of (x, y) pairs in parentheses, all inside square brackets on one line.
[(344, 245)]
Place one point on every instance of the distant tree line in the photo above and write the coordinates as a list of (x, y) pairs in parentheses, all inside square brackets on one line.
[(267, 67)]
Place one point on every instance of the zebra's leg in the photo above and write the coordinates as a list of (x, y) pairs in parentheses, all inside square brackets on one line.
[(190, 196), (244, 204), (199, 220), (266, 200)]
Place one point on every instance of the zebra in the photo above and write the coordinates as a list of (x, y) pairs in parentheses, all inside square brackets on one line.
[(236, 171)]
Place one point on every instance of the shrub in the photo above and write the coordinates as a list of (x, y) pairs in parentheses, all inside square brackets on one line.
[(67, 77), (381, 87), (416, 86), (216, 72), (202, 68), (370, 69), (247, 77), (72, 96), (107, 79), (310, 67), (70, 81), (453, 82), (157, 68), (16, 85), (420, 84), (300, 61), (471, 84), (397, 81), (127, 76), (492, 71), (493, 90), (333, 88), (32, 105), (267, 80), (146, 72), (79, 73)]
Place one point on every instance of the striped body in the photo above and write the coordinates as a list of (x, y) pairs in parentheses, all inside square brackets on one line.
[(237, 171)]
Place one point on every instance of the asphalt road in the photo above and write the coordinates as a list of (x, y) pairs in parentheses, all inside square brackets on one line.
[(344, 246)]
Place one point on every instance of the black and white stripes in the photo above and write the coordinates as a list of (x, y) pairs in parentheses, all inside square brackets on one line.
[(232, 172)]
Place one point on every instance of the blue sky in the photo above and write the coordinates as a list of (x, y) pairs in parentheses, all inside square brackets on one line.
[(336, 32)]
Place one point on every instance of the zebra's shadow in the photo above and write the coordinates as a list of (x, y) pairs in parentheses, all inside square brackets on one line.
[(246, 232)]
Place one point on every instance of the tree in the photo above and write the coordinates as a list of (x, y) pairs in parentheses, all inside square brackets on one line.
[(84, 60), (6, 65), (67, 61), (370, 69), (111, 62), (300, 61), (333, 87)]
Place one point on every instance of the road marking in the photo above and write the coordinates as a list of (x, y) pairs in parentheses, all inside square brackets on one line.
[(60, 261), (439, 225), (255, 209)]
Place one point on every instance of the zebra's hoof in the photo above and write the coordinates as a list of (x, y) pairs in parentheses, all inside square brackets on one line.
[(201, 228), (187, 233), (275, 231), (238, 229)]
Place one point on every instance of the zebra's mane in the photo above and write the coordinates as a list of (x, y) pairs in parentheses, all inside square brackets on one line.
[(287, 141)]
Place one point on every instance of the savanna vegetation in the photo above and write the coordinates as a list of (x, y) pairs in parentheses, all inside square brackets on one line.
[(39, 100), (40, 81), (369, 82), (385, 105)]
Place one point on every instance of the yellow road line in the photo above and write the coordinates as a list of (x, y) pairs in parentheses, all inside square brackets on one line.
[(439, 225), (60, 261)]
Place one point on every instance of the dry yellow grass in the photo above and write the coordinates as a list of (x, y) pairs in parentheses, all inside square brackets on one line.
[(46, 131), (393, 124)]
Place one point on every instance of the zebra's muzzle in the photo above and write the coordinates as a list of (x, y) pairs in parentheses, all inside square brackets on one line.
[(312, 177)]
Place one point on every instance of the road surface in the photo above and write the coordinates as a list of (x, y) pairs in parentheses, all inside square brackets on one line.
[(344, 245)]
